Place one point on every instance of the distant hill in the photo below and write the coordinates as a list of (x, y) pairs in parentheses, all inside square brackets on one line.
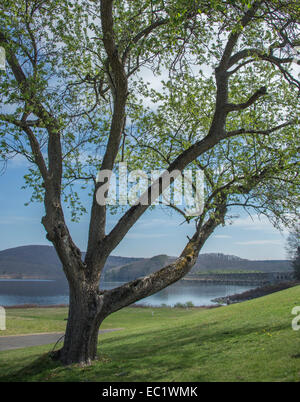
[(42, 262), (218, 261), (136, 269), (34, 261)]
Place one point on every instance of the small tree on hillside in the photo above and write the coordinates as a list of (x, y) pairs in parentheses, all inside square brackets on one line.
[(293, 249), (296, 264)]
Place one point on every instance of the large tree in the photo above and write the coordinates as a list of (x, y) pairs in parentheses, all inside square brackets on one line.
[(73, 101)]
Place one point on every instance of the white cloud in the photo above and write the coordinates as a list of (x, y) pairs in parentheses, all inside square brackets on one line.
[(146, 235), (259, 242), (222, 237), (255, 222), (158, 222), (18, 161)]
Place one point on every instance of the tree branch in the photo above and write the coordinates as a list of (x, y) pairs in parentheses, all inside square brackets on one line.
[(119, 86), (117, 298), (144, 33), (261, 132), (216, 133), (230, 107)]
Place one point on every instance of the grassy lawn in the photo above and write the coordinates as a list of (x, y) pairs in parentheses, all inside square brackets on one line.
[(250, 341), (34, 320)]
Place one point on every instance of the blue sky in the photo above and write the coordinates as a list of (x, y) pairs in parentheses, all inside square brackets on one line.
[(157, 232)]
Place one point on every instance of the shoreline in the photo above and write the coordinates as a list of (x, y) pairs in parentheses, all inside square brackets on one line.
[(256, 292), (27, 306)]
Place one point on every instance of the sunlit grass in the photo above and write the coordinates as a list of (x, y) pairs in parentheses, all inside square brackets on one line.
[(250, 341)]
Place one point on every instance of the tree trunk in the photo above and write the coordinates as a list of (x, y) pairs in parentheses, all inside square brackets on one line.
[(89, 306), (81, 337)]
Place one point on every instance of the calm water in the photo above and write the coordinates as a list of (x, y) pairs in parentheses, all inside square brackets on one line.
[(56, 292)]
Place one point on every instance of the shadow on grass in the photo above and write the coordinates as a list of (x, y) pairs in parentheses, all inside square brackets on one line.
[(37, 367), (155, 356), (199, 334), (152, 355)]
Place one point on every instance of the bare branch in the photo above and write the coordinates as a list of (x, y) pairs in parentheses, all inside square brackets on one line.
[(261, 132)]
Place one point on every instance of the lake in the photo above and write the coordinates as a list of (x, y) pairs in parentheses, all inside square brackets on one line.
[(42, 292)]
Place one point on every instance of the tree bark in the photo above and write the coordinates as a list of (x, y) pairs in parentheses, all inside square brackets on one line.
[(84, 320)]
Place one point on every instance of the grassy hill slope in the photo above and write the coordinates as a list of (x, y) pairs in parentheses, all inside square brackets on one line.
[(250, 341)]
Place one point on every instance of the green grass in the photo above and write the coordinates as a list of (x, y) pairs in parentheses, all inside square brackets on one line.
[(34, 320), (250, 341)]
